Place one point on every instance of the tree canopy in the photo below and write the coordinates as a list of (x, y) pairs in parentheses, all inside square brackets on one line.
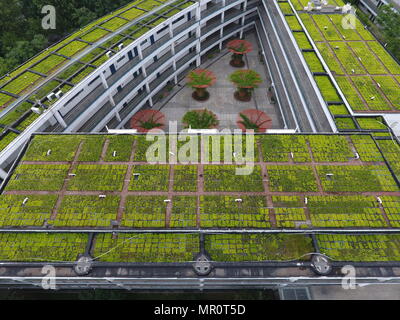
[(389, 20), (22, 35)]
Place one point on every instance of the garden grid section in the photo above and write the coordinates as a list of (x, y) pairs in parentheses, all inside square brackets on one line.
[(299, 181), (365, 72)]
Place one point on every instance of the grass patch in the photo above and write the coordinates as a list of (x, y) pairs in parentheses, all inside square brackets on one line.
[(148, 247), (224, 178), (144, 212), (98, 178), (150, 178), (257, 247), (293, 178), (38, 177)]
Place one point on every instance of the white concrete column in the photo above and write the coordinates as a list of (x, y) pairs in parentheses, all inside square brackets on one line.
[(144, 71), (173, 48), (198, 12), (148, 87), (59, 118), (3, 174), (104, 81), (140, 52), (111, 99), (118, 116)]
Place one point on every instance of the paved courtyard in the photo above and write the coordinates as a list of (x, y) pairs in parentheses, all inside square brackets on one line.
[(221, 101)]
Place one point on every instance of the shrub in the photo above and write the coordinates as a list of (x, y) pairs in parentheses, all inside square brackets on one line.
[(200, 119), (245, 81)]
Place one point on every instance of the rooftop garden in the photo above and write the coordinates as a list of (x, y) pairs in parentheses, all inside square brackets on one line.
[(298, 181), (369, 85)]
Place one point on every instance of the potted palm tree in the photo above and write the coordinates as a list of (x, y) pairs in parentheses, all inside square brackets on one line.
[(200, 119), (200, 80), (253, 119), (245, 81), (146, 120), (239, 48)]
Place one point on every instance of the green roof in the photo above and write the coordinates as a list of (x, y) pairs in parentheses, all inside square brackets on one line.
[(299, 182), (369, 84)]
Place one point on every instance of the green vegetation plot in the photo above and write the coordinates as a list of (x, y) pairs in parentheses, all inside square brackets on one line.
[(345, 124), (327, 89), (92, 147), (38, 177), (119, 148), (366, 148), (72, 48), (224, 178), (363, 52), (390, 88), (285, 7), (185, 178), (48, 64), (97, 177), (291, 178), (356, 178), (371, 94), (281, 148), (385, 57), (348, 33), (330, 58), (351, 94), (289, 212), (391, 152), (149, 247), (15, 212), (338, 109), (95, 35), (27, 121), (52, 148), (86, 211), (345, 211), (349, 61), (330, 148), (42, 247), (114, 24), (313, 62), (257, 247), (391, 205), (22, 82), (376, 123), (326, 27), (6, 139), (132, 13), (302, 40), (150, 178), (293, 23), (225, 212), (311, 27), (15, 114), (144, 212), (228, 149), (142, 146), (343, 247), (184, 212)]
